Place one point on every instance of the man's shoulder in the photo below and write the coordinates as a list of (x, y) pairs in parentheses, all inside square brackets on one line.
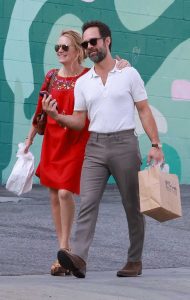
[(130, 70), (132, 73)]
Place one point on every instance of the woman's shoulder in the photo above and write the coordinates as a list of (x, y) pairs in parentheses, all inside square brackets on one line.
[(85, 70), (50, 73)]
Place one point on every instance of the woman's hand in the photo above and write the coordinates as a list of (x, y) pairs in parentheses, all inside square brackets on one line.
[(122, 63), (49, 105), (28, 142)]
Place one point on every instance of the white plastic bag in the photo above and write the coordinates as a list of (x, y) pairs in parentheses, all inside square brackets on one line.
[(21, 178)]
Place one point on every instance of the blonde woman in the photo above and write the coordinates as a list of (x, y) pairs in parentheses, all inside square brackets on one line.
[(63, 149)]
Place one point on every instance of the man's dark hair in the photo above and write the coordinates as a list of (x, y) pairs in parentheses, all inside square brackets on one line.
[(104, 30)]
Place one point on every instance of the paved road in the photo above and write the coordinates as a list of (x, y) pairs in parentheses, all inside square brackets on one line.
[(28, 247)]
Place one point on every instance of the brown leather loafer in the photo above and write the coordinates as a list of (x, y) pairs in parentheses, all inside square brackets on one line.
[(131, 269), (72, 262)]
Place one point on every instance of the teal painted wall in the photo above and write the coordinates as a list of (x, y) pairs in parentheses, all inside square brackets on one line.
[(153, 35)]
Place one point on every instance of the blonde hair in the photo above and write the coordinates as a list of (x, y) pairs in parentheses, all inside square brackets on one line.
[(76, 39)]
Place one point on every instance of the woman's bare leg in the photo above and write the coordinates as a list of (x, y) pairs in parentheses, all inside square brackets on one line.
[(56, 214), (67, 212), (56, 268)]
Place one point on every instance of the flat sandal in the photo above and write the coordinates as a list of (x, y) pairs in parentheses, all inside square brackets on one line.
[(58, 270)]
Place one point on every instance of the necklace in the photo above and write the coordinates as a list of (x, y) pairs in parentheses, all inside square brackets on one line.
[(66, 82)]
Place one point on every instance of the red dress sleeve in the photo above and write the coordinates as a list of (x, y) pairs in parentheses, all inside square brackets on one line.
[(44, 87)]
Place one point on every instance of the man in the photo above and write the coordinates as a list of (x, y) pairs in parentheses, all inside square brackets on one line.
[(109, 97)]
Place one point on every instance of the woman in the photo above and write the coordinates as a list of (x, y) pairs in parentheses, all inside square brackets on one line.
[(62, 148)]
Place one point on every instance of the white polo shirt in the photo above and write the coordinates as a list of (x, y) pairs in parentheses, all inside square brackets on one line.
[(111, 106)]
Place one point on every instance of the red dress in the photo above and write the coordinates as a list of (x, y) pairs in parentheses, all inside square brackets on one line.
[(63, 149)]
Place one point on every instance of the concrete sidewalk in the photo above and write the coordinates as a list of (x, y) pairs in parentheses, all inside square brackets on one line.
[(160, 284), (28, 247)]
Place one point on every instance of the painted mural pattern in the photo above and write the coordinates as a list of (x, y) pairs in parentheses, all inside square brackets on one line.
[(153, 35)]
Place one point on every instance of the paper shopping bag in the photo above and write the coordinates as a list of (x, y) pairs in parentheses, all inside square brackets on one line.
[(159, 194)]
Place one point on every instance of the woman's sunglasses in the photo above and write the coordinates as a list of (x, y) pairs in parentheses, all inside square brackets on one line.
[(92, 42), (63, 47)]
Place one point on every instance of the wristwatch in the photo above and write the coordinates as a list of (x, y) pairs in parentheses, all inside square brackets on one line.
[(158, 145)]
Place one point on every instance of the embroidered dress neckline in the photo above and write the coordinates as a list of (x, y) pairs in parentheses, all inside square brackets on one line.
[(66, 83)]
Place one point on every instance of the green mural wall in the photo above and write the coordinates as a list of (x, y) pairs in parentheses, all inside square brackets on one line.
[(153, 35)]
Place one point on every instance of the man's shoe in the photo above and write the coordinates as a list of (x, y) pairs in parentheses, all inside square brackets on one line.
[(72, 262), (131, 269)]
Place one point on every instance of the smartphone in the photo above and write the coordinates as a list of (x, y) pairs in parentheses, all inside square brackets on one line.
[(42, 93)]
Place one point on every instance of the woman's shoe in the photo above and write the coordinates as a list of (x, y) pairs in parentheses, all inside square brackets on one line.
[(58, 270)]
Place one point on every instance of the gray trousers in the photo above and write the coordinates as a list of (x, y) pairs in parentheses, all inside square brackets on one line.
[(117, 154)]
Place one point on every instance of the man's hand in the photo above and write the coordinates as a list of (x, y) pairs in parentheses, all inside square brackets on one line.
[(155, 155), (49, 105)]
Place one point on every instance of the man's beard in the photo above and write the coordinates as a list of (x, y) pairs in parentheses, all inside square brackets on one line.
[(99, 56)]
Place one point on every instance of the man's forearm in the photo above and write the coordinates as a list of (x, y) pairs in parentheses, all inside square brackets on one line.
[(155, 154), (151, 130), (75, 121), (149, 125), (70, 121)]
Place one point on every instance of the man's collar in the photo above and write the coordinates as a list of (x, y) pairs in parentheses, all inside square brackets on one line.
[(94, 74), (115, 69)]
